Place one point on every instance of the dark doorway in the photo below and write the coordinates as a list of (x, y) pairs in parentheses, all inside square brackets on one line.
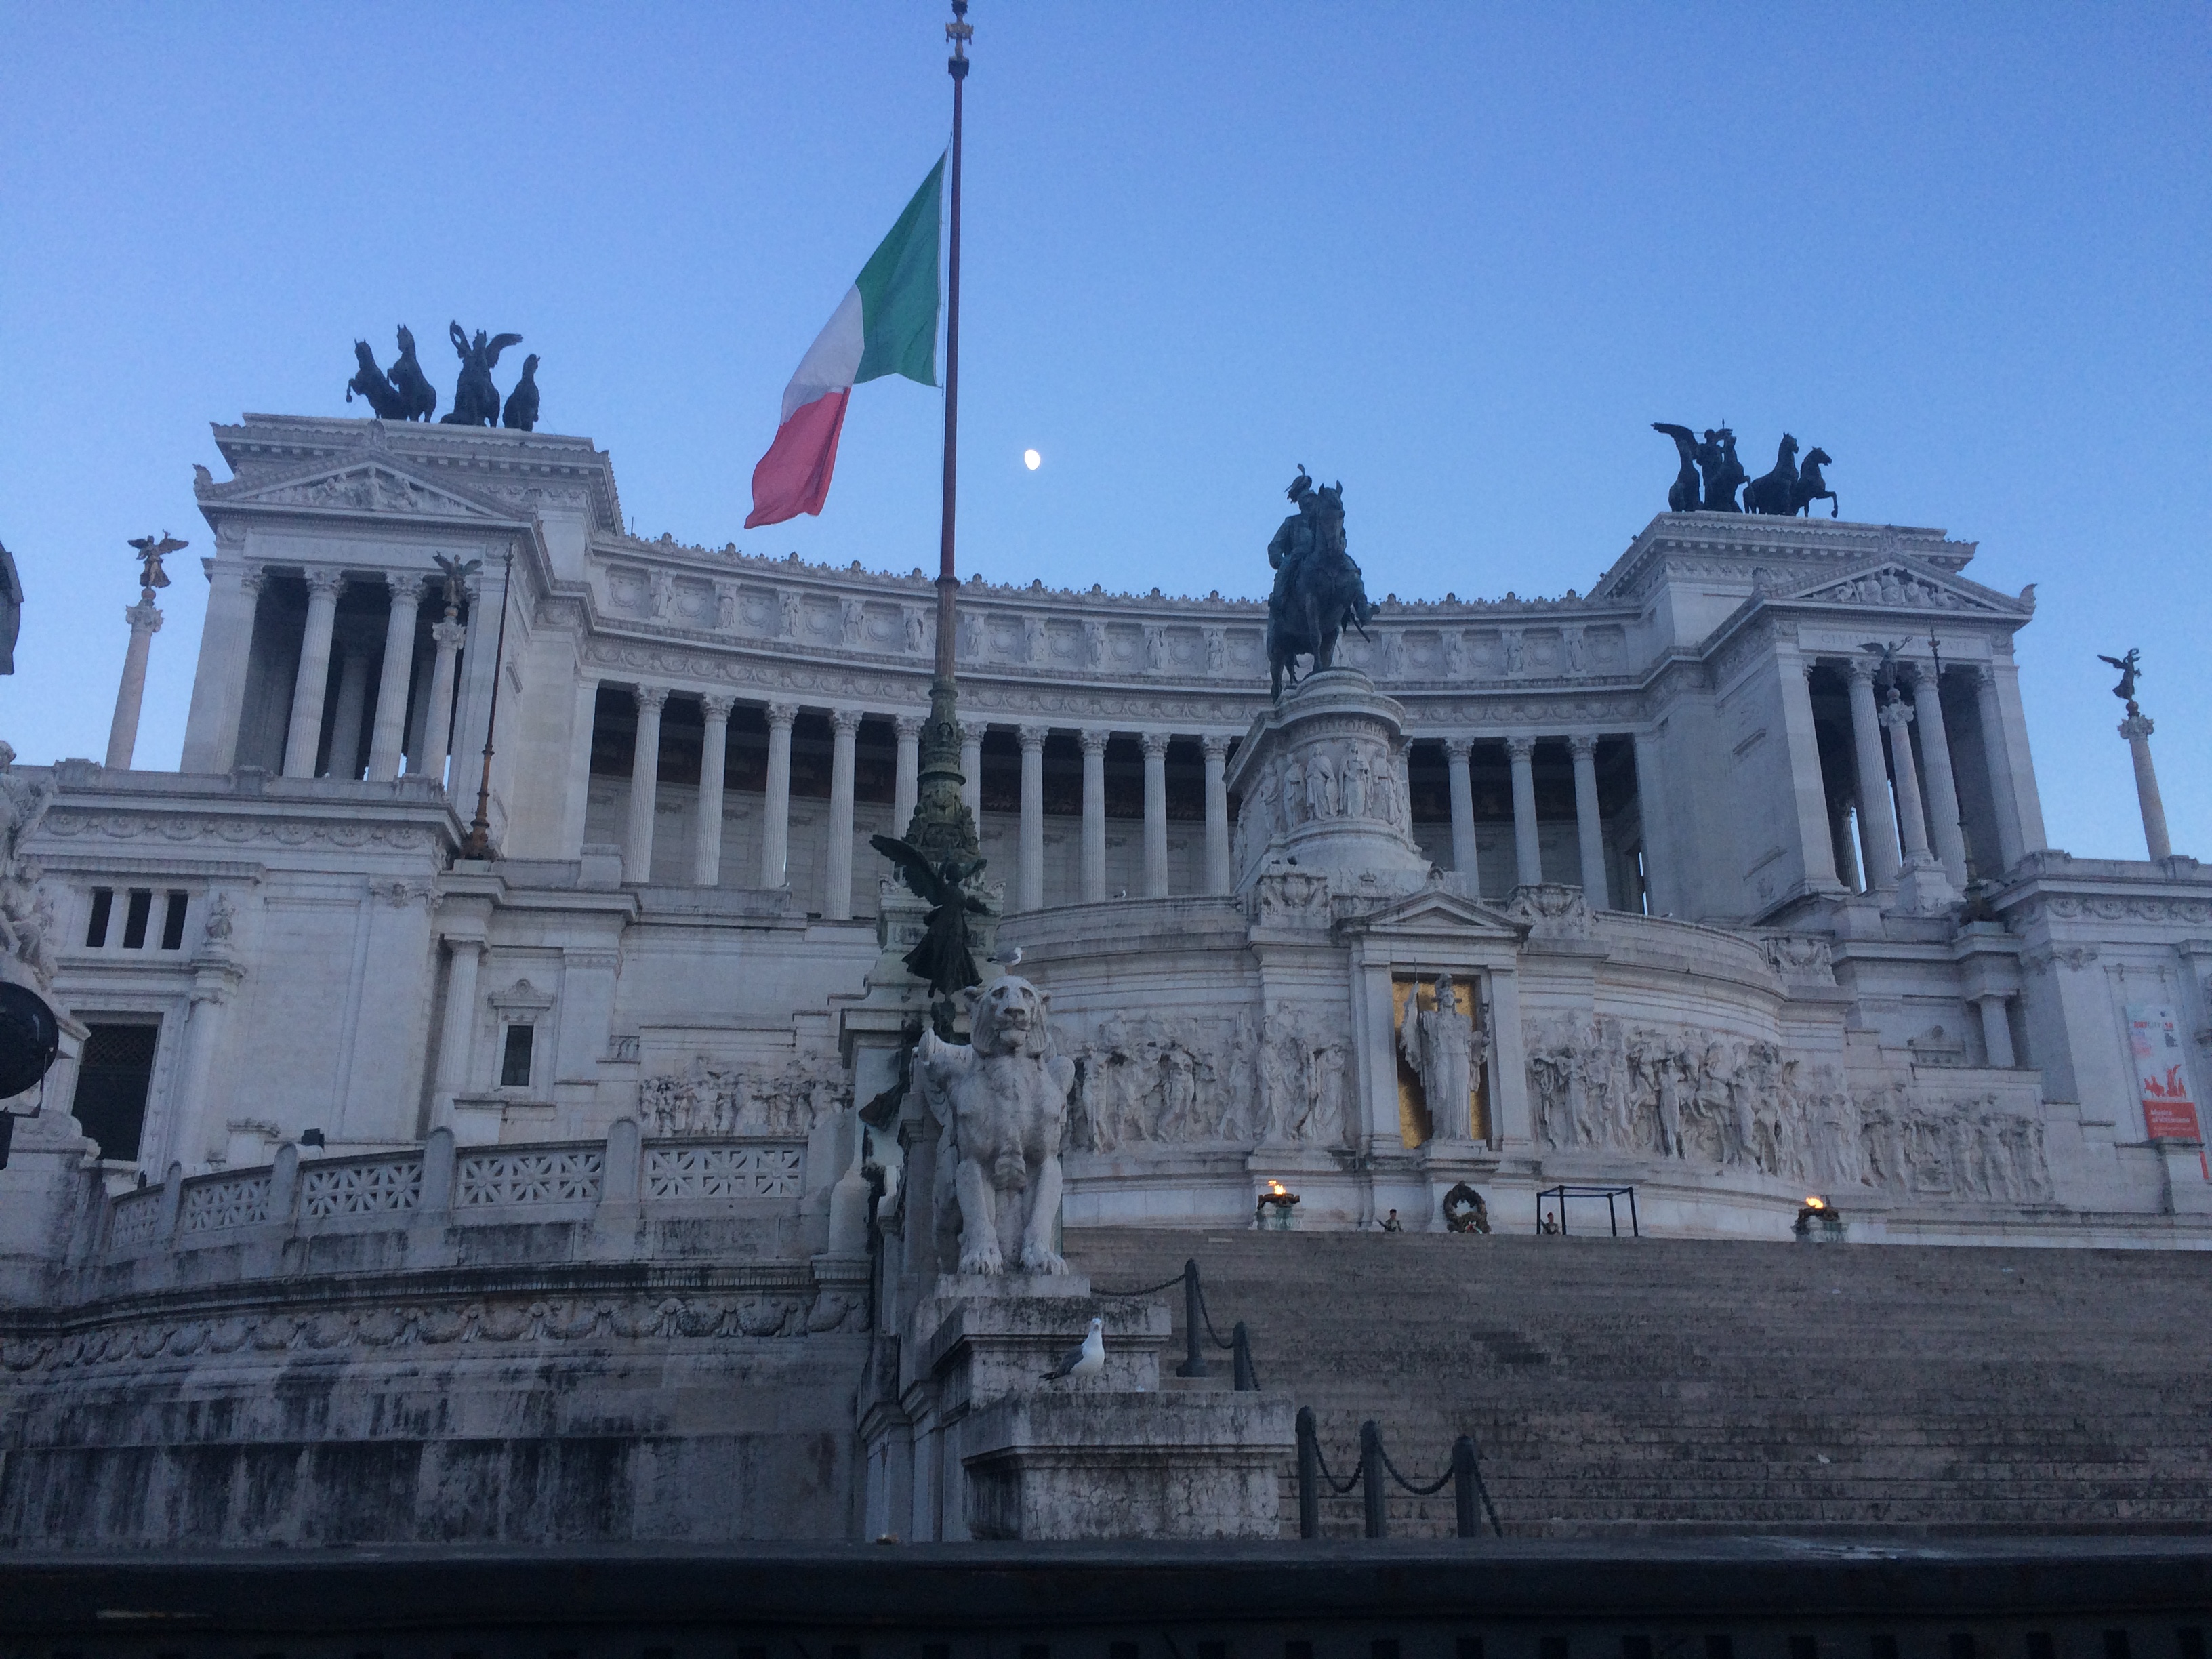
[(111, 1081)]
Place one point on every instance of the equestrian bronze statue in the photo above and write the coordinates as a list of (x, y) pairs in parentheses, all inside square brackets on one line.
[(1318, 592)]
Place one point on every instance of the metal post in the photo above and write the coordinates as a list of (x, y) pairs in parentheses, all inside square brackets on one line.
[(1246, 1379), (1635, 1231), (1193, 1334), (1309, 1475), (1371, 1479), (1612, 1215), (1462, 1461)]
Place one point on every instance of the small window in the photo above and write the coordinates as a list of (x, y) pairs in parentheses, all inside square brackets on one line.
[(135, 918), (515, 1057), (103, 907), (172, 921), (111, 1080)]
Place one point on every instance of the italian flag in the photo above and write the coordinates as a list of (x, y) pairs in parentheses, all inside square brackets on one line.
[(886, 324)]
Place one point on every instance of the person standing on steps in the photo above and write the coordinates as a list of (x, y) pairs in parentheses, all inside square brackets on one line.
[(1392, 1225)]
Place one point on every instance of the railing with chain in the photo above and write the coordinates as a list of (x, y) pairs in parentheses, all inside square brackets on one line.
[(1463, 1474), (1196, 1321)]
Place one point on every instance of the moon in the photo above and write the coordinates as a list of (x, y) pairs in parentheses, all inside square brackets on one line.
[(1031, 460)]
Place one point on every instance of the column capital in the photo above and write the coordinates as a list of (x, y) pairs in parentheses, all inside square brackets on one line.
[(1984, 675), (2136, 725), (844, 721), (449, 636), (1896, 714), (650, 696), (1032, 737), (1521, 748), (1155, 744), (143, 617), (971, 733), (717, 707), (406, 587), (1094, 743), (320, 582), (780, 716), (908, 727), (1861, 669), (1458, 749), (1213, 746), (1582, 747), (251, 578)]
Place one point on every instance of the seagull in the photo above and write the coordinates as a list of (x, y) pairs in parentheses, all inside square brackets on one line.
[(1086, 1358), (1007, 958), (1120, 892)]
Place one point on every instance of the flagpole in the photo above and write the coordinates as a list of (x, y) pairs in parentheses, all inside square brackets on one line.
[(943, 828), (959, 32)]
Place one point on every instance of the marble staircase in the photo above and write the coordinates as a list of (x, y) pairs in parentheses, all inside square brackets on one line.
[(1654, 1386)]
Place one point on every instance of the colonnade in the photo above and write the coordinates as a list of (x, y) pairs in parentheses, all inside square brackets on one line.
[(1527, 848), (1920, 826), (359, 745), (1027, 890)]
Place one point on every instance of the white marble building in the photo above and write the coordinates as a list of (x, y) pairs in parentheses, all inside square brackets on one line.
[(1730, 927), (1672, 826)]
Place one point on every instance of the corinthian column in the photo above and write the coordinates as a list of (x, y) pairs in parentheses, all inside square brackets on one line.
[(837, 860), (1527, 848), (644, 784), (1094, 815), (145, 620), (1896, 717), (776, 812), (1589, 832), (971, 772), (353, 701), (438, 723), (1029, 885), (389, 734), (307, 732), (907, 785), (2137, 729), (1219, 879), (1156, 815), (1877, 827), (1942, 788), (1458, 768), (1996, 756), (714, 760)]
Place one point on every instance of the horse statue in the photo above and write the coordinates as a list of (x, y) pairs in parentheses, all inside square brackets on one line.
[(521, 414), (476, 399), (1811, 487), (384, 400), (1775, 493), (1318, 590), (418, 399)]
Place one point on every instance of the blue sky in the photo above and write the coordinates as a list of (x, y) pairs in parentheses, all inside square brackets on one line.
[(1459, 256)]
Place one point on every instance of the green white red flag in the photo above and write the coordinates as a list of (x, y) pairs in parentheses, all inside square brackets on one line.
[(886, 325)]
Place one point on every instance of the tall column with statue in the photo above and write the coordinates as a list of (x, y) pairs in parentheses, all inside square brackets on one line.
[(145, 620), (2137, 729)]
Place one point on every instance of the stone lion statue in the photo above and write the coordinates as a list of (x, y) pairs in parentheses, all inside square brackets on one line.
[(1003, 1102)]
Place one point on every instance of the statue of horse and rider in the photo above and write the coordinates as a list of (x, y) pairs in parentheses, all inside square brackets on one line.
[(1318, 592)]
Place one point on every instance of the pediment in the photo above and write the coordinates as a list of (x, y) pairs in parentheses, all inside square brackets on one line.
[(1439, 909), (359, 484), (1902, 584)]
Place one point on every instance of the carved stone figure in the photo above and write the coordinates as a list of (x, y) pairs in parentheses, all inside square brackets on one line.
[(1216, 651), (1003, 1102), (11, 610), (1455, 650), (521, 414), (476, 399), (1444, 1049), (221, 916), (418, 399), (915, 631), (707, 1100)]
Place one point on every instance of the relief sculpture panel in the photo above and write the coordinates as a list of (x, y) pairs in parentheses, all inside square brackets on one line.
[(1230, 1080)]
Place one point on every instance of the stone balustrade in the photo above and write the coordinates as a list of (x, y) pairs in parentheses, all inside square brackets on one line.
[(441, 1185)]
